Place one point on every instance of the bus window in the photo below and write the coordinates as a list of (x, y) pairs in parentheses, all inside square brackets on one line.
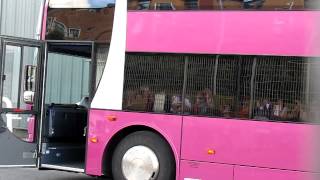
[(268, 88), (278, 88), (17, 58), (311, 104), (219, 85), (289, 85), (18, 124), (30, 58), (11, 84), (153, 83), (78, 24), (101, 60), (262, 88), (191, 4), (164, 6)]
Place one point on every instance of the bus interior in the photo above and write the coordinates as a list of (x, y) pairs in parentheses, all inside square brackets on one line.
[(69, 86)]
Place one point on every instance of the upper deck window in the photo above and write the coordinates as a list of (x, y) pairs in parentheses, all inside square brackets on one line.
[(81, 3), (164, 6), (84, 20), (143, 5), (80, 24), (191, 4), (268, 5)]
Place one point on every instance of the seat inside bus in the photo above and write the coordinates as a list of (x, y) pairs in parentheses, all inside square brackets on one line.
[(67, 98)]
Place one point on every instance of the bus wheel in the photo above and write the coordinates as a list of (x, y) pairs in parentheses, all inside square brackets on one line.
[(143, 155)]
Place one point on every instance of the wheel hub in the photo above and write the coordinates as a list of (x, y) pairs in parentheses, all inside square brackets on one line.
[(140, 163)]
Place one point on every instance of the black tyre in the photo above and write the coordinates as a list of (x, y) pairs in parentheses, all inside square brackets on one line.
[(143, 155)]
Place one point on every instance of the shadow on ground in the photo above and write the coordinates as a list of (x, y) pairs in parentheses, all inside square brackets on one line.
[(35, 174)]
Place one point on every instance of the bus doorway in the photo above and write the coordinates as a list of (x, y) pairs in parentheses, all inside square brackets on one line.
[(68, 88)]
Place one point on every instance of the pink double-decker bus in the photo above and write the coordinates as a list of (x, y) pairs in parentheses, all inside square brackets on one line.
[(166, 89)]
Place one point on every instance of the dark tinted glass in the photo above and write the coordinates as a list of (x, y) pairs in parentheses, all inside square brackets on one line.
[(223, 4), (242, 87)]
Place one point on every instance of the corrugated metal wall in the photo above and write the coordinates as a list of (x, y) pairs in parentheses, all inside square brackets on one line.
[(67, 79), (20, 17)]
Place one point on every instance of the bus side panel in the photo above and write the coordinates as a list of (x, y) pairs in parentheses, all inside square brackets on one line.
[(294, 33), (250, 143), (103, 129), (248, 173), (191, 170)]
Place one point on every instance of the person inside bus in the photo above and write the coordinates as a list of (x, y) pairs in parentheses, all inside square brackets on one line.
[(294, 114), (148, 98), (263, 110), (267, 108), (140, 100), (129, 98), (244, 108), (226, 111), (280, 110), (258, 110), (204, 103), (176, 104)]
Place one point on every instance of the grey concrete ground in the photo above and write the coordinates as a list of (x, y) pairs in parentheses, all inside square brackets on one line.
[(35, 174)]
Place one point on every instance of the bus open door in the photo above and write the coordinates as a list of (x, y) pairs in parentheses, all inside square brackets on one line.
[(46, 89), (20, 87)]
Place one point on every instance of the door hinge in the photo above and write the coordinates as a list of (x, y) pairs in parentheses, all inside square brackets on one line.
[(37, 154)]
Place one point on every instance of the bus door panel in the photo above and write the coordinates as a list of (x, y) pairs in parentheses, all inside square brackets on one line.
[(20, 73)]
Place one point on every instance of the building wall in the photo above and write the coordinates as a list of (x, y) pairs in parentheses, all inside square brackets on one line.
[(67, 79), (20, 17)]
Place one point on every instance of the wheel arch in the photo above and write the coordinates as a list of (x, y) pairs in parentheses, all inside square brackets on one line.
[(122, 133)]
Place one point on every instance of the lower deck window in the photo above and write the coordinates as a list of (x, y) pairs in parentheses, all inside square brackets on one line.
[(153, 82), (229, 86)]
